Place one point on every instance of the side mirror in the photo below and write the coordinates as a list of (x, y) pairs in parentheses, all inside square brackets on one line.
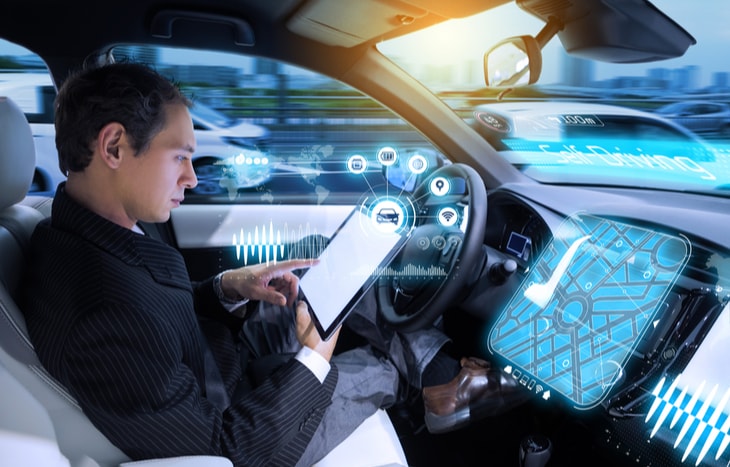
[(516, 61)]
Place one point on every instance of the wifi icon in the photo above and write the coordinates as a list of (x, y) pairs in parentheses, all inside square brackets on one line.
[(448, 216)]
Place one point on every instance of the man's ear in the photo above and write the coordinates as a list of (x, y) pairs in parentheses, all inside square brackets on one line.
[(109, 142)]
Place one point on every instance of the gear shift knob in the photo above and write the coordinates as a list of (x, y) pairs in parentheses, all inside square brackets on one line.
[(535, 451)]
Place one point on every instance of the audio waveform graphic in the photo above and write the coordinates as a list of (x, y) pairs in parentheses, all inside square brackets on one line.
[(266, 244), (410, 270), (699, 417)]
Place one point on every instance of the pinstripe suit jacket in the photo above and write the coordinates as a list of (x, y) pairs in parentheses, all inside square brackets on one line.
[(114, 317)]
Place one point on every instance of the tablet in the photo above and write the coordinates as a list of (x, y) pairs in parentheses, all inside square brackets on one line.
[(358, 252)]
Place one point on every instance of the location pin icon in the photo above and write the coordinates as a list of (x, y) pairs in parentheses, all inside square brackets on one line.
[(439, 186)]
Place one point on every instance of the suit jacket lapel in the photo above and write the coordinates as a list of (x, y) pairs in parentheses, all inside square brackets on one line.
[(164, 263)]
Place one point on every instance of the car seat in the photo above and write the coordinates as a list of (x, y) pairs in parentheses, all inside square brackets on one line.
[(40, 422)]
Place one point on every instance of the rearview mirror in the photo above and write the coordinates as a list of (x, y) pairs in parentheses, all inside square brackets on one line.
[(516, 61)]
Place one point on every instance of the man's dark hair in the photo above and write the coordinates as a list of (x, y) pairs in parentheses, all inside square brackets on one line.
[(131, 94)]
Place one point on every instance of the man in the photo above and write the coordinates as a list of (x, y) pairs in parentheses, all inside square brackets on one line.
[(160, 364)]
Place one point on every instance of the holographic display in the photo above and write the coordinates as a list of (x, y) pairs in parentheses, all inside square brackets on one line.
[(585, 305), (694, 406)]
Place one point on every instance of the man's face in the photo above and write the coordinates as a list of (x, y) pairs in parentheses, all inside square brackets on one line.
[(155, 180)]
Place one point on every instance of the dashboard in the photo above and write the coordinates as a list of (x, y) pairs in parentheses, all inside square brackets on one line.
[(630, 333), (516, 229)]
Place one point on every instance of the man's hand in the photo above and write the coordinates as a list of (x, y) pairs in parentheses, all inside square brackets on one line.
[(273, 283), (309, 337)]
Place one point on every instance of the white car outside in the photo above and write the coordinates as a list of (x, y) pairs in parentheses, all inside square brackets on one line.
[(597, 143)]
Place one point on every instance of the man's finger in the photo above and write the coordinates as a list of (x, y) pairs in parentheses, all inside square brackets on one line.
[(293, 288), (274, 297), (304, 319)]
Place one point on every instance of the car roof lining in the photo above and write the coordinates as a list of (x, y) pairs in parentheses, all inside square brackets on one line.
[(134, 19)]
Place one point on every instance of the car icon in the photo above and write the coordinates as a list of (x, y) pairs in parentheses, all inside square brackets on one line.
[(386, 215)]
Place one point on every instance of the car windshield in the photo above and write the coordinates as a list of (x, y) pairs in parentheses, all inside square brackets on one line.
[(587, 121)]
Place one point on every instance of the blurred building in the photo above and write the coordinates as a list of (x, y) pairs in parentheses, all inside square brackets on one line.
[(685, 78), (720, 81), (264, 66), (215, 76), (577, 71), (137, 53)]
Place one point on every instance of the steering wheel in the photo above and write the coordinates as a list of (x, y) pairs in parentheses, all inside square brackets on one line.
[(439, 260)]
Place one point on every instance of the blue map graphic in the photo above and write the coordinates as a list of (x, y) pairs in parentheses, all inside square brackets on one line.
[(585, 305)]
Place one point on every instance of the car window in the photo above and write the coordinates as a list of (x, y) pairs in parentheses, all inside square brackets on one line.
[(24, 78), (270, 132), (266, 131)]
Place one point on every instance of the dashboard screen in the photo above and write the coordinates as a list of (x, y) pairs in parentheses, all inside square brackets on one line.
[(584, 306)]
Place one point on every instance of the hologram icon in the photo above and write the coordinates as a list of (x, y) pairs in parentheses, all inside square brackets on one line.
[(448, 216), (356, 164), (417, 164), (440, 186), (387, 156)]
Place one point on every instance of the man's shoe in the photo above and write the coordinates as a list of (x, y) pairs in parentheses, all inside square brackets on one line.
[(478, 391)]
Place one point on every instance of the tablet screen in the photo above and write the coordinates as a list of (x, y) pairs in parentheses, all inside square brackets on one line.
[(348, 267)]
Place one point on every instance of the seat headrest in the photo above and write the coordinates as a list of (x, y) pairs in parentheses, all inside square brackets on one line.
[(17, 153)]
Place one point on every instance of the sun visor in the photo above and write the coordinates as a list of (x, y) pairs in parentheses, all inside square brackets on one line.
[(351, 22)]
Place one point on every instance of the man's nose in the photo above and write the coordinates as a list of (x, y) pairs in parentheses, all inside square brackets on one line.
[(190, 180)]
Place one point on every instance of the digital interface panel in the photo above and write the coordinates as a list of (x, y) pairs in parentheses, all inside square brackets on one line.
[(585, 305), (694, 406)]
